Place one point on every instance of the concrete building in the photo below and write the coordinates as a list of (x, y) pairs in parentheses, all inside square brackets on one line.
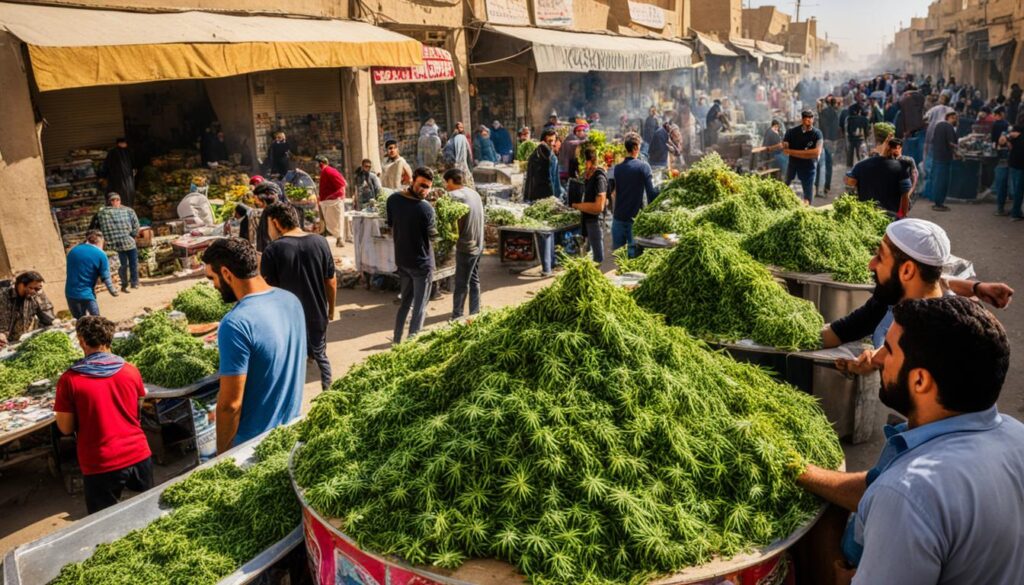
[(719, 18)]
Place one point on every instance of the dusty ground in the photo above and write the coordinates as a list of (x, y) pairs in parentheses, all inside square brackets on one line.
[(33, 504)]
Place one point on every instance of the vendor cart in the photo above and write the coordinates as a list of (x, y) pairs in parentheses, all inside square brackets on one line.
[(375, 248), (40, 561), (520, 247), (181, 418)]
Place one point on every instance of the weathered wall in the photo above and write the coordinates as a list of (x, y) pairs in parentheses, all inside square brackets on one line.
[(232, 103), (721, 17), (360, 118), (28, 235), (325, 8)]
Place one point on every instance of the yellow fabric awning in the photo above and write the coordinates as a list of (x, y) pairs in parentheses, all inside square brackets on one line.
[(78, 47)]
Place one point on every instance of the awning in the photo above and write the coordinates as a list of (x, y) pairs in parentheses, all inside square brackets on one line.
[(713, 47), (930, 47), (78, 47), (558, 50), (437, 66), (769, 48), (747, 47)]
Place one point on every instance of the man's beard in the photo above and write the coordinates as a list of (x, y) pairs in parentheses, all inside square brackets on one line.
[(891, 292), (897, 394), (226, 294)]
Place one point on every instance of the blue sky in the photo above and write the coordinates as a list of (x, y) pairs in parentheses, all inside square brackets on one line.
[(857, 26)]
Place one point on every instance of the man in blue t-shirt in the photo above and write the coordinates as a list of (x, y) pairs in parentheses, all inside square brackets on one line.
[(803, 144), (87, 263), (262, 343)]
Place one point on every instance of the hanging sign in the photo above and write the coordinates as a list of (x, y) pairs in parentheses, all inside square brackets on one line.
[(553, 12), (647, 15), (437, 66), (512, 12)]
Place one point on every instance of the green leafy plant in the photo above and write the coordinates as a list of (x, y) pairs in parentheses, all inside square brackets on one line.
[(448, 211), (165, 354), (201, 304), (43, 356)]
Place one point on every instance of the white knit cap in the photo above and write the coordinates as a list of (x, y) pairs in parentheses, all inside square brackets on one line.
[(920, 239)]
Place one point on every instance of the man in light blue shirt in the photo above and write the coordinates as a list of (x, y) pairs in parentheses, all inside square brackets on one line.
[(87, 263), (945, 502), (262, 343)]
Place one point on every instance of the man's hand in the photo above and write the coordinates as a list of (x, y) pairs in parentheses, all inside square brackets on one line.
[(997, 294), (3, 340), (862, 365)]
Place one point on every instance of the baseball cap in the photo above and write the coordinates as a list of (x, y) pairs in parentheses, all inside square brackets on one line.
[(920, 239), (321, 159)]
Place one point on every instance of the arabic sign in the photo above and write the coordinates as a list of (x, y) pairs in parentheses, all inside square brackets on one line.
[(437, 66), (508, 12), (647, 15), (553, 12)]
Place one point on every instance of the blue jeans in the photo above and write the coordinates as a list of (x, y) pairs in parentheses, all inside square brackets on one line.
[(806, 174), (467, 280), (1001, 185), (622, 235), (914, 146), (780, 160), (129, 260), (826, 159), (546, 251), (415, 296), (939, 183), (595, 237), (82, 307), (1017, 191)]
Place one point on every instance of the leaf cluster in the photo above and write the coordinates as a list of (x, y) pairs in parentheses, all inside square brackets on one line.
[(43, 356), (201, 303), (165, 354)]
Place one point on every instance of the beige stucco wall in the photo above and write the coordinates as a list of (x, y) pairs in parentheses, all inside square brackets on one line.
[(28, 235), (326, 8), (721, 17)]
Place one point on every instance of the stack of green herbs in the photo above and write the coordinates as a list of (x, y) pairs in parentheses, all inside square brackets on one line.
[(575, 436), (201, 304), (653, 222), (550, 213), (223, 516), (447, 211), (165, 354), (717, 291), (840, 243), (525, 149), (643, 263), (708, 180), (43, 356)]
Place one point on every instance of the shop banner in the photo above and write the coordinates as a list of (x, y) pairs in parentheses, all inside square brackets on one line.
[(647, 15), (437, 66), (508, 12), (553, 12)]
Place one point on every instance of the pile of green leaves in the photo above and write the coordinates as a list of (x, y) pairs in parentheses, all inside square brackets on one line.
[(709, 180), (840, 242), (165, 354), (43, 356), (296, 193), (223, 516), (550, 212), (643, 263), (743, 213), (448, 211), (715, 290), (201, 304), (500, 216), (575, 436), (653, 222), (525, 149)]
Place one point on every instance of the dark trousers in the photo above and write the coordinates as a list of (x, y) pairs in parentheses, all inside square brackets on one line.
[(595, 237), (467, 282), (316, 349), (103, 490), (415, 296), (129, 265), (805, 174), (82, 307)]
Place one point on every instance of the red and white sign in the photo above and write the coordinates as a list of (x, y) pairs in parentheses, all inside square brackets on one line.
[(437, 66)]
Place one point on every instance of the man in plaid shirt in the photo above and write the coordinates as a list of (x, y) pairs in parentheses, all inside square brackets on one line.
[(120, 225), (24, 307)]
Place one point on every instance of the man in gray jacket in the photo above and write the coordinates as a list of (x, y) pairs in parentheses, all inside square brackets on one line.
[(470, 246)]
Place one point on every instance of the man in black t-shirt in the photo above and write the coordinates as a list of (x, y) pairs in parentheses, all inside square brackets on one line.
[(803, 144), (413, 226), (595, 196), (302, 264), (1015, 140), (883, 179)]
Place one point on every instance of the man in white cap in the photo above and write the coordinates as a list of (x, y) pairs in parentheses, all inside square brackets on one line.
[(907, 265)]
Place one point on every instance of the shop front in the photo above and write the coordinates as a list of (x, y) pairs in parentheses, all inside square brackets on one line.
[(723, 67), (199, 98), (407, 97)]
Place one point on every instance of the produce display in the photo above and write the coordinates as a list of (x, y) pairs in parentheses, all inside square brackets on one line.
[(709, 180), (575, 436), (525, 149), (551, 213), (607, 152), (447, 211), (43, 356), (165, 354), (715, 290), (201, 304), (643, 263), (653, 222), (840, 242), (223, 516), (500, 216)]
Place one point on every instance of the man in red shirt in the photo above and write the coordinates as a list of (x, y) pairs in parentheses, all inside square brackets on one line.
[(332, 199), (98, 397)]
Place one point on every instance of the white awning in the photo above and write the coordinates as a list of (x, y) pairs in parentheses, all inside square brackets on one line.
[(558, 50), (80, 47), (713, 47)]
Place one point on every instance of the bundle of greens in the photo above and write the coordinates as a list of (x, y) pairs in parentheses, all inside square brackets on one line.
[(708, 180), (775, 194), (223, 517), (525, 149), (575, 436), (165, 354), (550, 212), (448, 211), (864, 216), (44, 356), (500, 216), (201, 304), (744, 213), (715, 290), (805, 240), (653, 222), (643, 263), (296, 193)]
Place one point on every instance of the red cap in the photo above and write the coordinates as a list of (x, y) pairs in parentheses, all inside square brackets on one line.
[(256, 180)]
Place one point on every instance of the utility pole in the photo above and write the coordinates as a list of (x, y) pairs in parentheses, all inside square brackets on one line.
[(797, 19)]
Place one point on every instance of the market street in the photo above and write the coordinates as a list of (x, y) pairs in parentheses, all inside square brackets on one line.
[(364, 327)]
